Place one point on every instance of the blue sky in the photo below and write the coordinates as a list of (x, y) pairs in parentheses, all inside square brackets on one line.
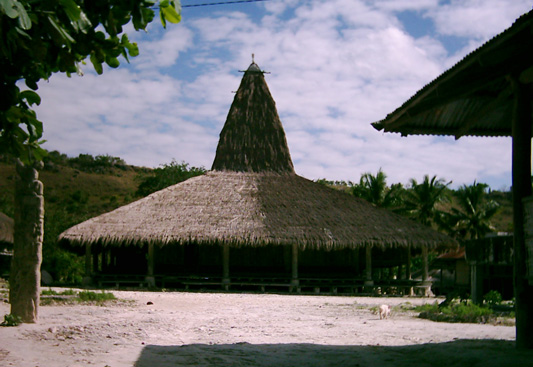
[(336, 66)]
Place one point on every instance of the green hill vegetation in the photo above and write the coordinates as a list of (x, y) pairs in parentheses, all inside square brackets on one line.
[(82, 187), (76, 189)]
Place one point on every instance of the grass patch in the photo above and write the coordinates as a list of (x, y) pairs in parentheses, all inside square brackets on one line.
[(88, 296), (70, 296), (51, 292), (464, 312)]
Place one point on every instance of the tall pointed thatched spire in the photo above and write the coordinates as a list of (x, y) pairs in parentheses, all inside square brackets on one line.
[(253, 139)]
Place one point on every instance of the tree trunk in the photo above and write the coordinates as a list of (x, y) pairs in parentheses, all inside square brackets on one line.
[(25, 277)]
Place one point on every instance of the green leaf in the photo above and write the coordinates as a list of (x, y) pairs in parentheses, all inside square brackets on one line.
[(162, 17), (169, 13), (61, 35), (38, 152), (24, 20), (112, 61), (141, 16), (35, 129), (72, 9), (31, 97), (78, 19), (32, 84), (84, 23), (132, 48), (9, 8), (96, 63)]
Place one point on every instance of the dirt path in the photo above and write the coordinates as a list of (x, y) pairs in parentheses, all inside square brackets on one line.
[(217, 329)]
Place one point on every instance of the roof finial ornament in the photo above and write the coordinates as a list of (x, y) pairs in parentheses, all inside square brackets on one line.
[(254, 68)]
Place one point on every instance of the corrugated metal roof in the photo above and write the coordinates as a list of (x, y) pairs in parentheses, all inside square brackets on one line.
[(474, 97)]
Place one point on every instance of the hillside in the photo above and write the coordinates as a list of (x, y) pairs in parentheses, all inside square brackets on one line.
[(89, 193), (71, 196)]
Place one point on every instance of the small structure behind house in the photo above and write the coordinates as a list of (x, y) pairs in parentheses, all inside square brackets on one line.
[(6, 244)]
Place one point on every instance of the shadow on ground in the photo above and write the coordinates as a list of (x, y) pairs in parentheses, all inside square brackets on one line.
[(459, 353)]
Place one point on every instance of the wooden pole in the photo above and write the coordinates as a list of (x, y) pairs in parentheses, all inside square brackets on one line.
[(408, 264), (295, 281), (355, 259), (521, 176), (225, 266), (477, 276), (95, 259), (87, 279), (369, 282), (425, 272), (150, 279)]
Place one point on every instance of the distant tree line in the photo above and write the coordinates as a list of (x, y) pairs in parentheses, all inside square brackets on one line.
[(465, 213), (84, 162)]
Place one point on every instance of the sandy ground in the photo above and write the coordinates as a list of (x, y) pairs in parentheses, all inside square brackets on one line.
[(217, 329)]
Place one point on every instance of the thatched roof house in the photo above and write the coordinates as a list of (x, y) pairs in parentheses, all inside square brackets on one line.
[(6, 243), (6, 229), (253, 198)]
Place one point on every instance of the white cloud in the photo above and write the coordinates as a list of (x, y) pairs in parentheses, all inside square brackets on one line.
[(165, 51), (402, 5), (481, 19)]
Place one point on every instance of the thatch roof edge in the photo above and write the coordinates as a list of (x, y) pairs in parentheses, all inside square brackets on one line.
[(262, 224)]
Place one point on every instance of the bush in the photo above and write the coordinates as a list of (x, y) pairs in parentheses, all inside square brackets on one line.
[(11, 320), (493, 298), (428, 307), (465, 312)]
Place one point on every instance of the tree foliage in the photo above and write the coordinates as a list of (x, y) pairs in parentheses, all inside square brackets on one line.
[(472, 218), (375, 190), (39, 38), (421, 199), (167, 175)]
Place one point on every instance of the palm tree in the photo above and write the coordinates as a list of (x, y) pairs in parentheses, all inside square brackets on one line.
[(374, 190), (420, 201), (472, 218)]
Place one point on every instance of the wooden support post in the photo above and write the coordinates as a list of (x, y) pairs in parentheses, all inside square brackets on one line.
[(408, 264), (95, 260), (150, 279), (225, 266), (295, 281), (355, 261), (425, 272), (287, 258), (521, 181), (408, 275), (87, 279), (476, 283), (105, 259), (369, 282)]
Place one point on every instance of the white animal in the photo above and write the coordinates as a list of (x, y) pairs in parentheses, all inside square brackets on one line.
[(384, 311)]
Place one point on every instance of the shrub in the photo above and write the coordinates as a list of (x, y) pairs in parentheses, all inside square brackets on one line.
[(465, 312), (11, 320), (493, 298)]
